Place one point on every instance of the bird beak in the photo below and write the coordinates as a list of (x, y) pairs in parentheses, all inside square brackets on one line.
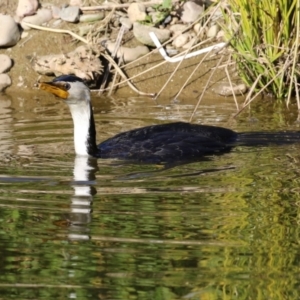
[(54, 88)]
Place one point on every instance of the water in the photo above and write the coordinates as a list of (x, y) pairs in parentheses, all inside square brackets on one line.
[(226, 227)]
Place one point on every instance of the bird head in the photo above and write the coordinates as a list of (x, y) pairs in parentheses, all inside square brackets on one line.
[(70, 88)]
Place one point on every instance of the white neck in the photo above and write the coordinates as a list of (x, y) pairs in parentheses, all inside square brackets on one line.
[(81, 119)]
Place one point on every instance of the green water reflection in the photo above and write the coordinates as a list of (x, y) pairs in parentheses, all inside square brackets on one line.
[(223, 228)]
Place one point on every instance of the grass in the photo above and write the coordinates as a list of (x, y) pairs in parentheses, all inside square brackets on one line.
[(264, 36)]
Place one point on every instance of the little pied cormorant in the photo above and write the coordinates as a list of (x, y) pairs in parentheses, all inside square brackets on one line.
[(158, 143)]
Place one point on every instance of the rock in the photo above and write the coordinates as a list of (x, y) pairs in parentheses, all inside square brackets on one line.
[(5, 81), (180, 40), (200, 30), (167, 20), (178, 28), (220, 35), (136, 12), (55, 12), (126, 22), (9, 33), (190, 11), (175, 20), (27, 8), (213, 31), (42, 16), (171, 51), (156, 17), (81, 62), (141, 33), (150, 9), (92, 17), (70, 14), (125, 53), (224, 89), (24, 34), (76, 3), (5, 63), (191, 43)]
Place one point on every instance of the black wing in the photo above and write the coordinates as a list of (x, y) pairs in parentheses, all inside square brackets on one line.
[(168, 142)]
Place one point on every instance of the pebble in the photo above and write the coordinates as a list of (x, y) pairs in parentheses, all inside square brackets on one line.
[(221, 35), (24, 34), (5, 81), (197, 27), (125, 53), (55, 12), (141, 33), (171, 50), (180, 40), (213, 31), (70, 14), (136, 12), (5, 63), (191, 43), (126, 22), (26, 8), (190, 12), (156, 17), (42, 16), (150, 9), (92, 17), (177, 28), (9, 33), (200, 30), (174, 20), (224, 89), (167, 20), (76, 3)]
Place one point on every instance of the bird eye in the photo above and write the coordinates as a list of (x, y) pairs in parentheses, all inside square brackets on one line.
[(67, 86)]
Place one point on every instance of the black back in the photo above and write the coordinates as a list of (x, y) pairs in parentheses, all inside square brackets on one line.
[(168, 142)]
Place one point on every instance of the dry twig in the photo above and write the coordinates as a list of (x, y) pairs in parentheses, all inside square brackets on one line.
[(201, 96)]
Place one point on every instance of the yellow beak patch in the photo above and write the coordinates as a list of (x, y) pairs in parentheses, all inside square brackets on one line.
[(55, 89)]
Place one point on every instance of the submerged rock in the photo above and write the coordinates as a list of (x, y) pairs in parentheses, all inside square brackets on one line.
[(81, 62), (224, 89), (9, 33), (5, 82), (5, 63)]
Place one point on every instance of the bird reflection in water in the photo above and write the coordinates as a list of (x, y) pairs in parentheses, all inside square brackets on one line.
[(79, 217)]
